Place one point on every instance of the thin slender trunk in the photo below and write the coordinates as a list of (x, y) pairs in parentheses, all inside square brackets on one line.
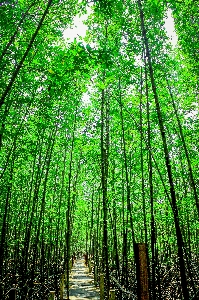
[(104, 177), (142, 160), (68, 211), (60, 204), (150, 166), (115, 240), (20, 65), (192, 181), (4, 228), (167, 161), (91, 248), (31, 208), (43, 202), (126, 167), (98, 238), (16, 31)]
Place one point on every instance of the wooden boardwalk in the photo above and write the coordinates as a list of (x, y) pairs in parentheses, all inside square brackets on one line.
[(82, 283)]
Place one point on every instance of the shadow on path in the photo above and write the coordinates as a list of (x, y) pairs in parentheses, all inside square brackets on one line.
[(82, 283)]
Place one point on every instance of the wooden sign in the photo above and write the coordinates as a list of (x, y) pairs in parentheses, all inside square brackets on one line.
[(142, 271)]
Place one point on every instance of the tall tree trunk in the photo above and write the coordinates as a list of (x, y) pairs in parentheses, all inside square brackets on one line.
[(153, 236), (167, 160), (128, 196), (20, 65), (104, 178), (142, 159), (5, 223), (32, 206), (68, 210), (192, 181), (115, 239), (49, 151), (16, 31)]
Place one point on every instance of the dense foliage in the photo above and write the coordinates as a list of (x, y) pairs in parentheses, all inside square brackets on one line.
[(99, 144)]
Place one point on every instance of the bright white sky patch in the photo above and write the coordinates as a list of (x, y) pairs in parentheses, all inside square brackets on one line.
[(78, 30), (170, 29), (86, 99)]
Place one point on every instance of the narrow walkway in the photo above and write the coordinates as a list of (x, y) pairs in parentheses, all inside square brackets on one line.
[(82, 283)]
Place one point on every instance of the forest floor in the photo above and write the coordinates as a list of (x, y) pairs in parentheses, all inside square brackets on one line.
[(82, 283)]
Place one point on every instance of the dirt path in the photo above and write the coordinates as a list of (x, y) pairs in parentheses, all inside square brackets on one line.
[(82, 283)]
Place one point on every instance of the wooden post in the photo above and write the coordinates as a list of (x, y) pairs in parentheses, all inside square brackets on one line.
[(112, 295), (70, 265), (52, 295), (12, 294), (86, 258), (101, 286), (62, 287), (73, 259), (142, 271), (95, 275), (89, 266)]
